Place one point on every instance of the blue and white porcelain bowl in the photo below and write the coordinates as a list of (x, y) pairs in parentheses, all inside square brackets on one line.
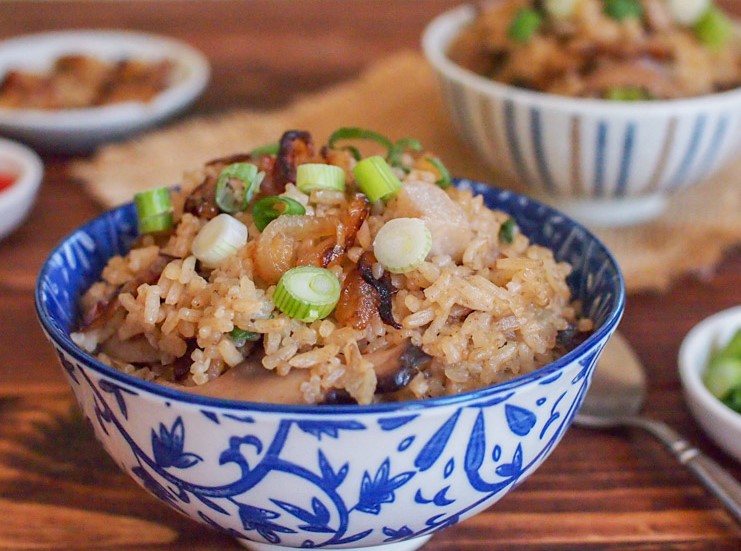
[(384, 476), (603, 162)]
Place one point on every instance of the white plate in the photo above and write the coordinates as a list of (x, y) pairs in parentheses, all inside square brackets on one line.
[(80, 130)]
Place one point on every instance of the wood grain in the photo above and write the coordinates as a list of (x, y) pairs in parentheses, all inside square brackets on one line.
[(58, 488)]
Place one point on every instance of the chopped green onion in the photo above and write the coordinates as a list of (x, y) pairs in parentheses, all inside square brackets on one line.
[(353, 151), (623, 9), (236, 185), (723, 376), (688, 12), (733, 348), (714, 29), (267, 149), (723, 373), (240, 337), (307, 293), (264, 211), (153, 210), (733, 400), (627, 93), (525, 24), (507, 230), (219, 239), (353, 133), (376, 179), (397, 150), (560, 9), (311, 176), (402, 244), (444, 180)]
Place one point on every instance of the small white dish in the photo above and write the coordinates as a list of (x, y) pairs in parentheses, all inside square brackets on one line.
[(16, 200), (720, 422), (80, 130)]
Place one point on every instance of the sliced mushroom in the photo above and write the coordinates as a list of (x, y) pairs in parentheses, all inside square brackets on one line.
[(135, 350), (397, 366), (251, 382)]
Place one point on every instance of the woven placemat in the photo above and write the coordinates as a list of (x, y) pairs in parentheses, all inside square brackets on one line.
[(691, 236)]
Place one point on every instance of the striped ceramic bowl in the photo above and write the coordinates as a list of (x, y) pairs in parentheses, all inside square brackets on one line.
[(604, 162)]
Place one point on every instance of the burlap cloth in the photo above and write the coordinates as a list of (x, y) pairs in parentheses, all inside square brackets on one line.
[(399, 97)]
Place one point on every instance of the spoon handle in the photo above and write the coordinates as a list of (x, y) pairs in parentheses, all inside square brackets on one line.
[(715, 478)]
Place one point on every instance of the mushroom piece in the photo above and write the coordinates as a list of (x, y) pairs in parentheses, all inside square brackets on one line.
[(397, 366), (251, 382)]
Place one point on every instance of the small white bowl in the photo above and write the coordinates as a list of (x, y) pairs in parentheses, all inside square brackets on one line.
[(603, 162), (80, 130), (719, 421), (16, 200)]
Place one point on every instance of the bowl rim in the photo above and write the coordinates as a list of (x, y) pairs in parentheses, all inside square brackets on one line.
[(440, 31), (28, 179), (63, 341), (189, 60), (698, 342)]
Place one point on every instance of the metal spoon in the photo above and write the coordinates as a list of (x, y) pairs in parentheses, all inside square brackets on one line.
[(615, 397)]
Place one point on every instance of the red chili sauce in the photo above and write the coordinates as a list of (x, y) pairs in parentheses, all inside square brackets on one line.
[(7, 179)]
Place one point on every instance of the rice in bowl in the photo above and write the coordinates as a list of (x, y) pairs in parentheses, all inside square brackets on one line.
[(481, 305)]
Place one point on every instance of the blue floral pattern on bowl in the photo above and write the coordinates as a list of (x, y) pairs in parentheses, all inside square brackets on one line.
[(331, 476)]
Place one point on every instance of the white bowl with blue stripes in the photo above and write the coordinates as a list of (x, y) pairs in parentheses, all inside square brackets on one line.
[(603, 162), (384, 476)]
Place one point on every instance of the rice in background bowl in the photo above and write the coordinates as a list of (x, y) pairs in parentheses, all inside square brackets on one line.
[(605, 162)]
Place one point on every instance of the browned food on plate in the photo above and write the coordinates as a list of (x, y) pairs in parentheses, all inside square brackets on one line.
[(78, 81)]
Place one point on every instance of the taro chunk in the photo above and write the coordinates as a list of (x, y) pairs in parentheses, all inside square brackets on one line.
[(445, 219)]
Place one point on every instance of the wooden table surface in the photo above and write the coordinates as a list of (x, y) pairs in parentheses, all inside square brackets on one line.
[(58, 490)]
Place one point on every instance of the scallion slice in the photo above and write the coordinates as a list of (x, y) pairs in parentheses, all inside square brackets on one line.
[(353, 133), (153, 210), (714, 29), (397, 150), (376, 179), (236, 185), (444, 181), (402, 244), (688, 12), (525, 24), (627, 93), (268, 209), (560, 9), (623, 9), (312, 176), (307, 293), (219, 239), (507, 231), (240, 337), (267, 149)]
